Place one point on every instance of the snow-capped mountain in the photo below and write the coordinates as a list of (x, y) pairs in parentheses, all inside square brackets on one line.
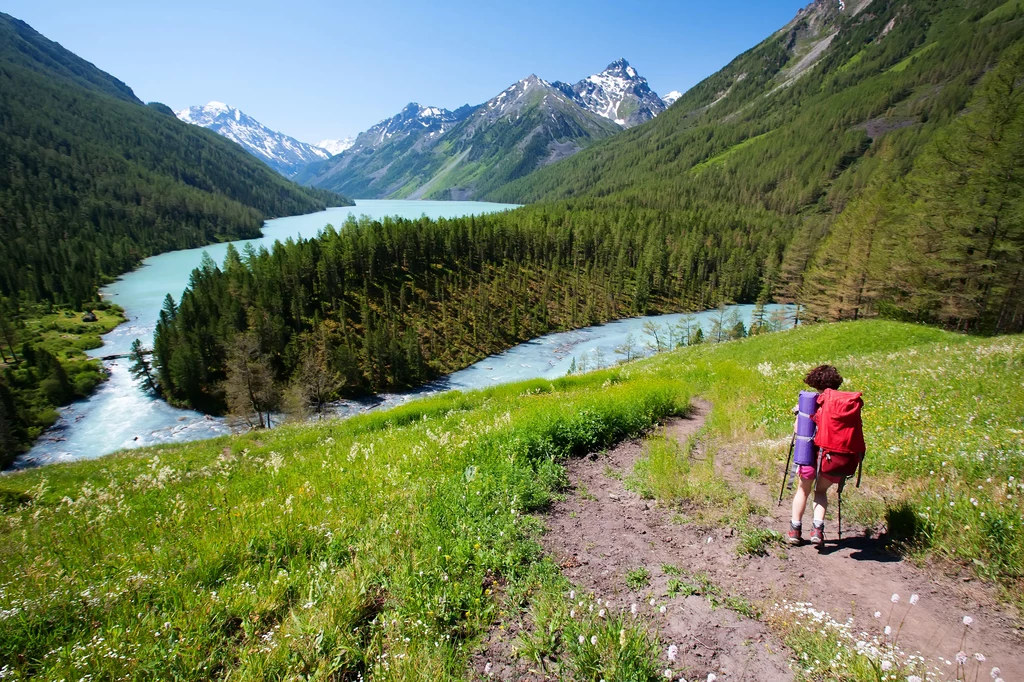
[(671, 97), (413, 119), (335, 147), (284, 154), (411, 131), (618, 93), (429, 152)]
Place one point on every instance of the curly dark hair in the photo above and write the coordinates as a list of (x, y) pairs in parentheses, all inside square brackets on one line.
[(822, 377)]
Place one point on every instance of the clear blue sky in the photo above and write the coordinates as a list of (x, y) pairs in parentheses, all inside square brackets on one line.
[(319, 69)]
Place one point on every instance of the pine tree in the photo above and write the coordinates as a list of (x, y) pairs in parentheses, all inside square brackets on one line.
[(140, 369)]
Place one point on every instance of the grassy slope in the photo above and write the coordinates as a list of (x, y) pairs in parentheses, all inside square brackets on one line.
[(376, 544)]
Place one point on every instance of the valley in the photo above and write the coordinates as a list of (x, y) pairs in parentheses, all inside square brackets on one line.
[(504, 391)]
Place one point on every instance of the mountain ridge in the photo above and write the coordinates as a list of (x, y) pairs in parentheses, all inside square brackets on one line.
[(431, 152), (281, 152)]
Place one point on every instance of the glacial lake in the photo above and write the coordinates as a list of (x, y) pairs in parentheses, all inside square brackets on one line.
[(120, 415)]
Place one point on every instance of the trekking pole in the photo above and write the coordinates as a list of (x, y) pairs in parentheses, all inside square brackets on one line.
[(785, 472), (840, 493)]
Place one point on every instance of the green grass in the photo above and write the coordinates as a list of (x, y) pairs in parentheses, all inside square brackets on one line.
[(638, 579), (36, 393), (902, 66), (1004, 12), (386, 544), (758, 541), (718, 159)]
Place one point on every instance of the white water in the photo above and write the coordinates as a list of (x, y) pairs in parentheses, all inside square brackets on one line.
[(120, 415)]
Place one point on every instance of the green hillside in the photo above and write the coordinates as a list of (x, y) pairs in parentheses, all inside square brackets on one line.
[(91, 182), (386, 545), (528, 126), (854, 152)]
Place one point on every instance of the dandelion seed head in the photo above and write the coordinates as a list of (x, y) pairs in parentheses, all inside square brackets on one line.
[(968, 621), (914, 599), (895, 599)]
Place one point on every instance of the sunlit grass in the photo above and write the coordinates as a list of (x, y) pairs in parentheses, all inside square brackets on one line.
[(385, 545)]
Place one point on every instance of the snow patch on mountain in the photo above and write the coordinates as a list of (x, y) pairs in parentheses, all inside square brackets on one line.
[(671, 98), (335, 147), (618, 94), (284, 154)]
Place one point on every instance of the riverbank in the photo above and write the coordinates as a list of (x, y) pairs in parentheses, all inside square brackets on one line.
[(44, 361), (121, 416), (389, 544), (117, 415)]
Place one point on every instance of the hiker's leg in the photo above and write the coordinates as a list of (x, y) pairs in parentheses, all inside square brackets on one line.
[(821, 500), (803, 491)]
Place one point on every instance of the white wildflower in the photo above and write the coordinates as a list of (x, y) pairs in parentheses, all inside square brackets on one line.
[(913, 599)]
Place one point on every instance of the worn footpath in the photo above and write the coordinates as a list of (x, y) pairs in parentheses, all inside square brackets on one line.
[(601, 532)]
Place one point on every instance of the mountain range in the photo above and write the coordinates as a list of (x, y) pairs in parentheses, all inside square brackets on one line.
[(429, 152), (418, 153), (284, 154)]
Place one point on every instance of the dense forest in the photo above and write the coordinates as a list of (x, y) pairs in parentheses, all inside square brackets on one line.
[(895, 202), (390, 304), (884, 179), (91, 182)]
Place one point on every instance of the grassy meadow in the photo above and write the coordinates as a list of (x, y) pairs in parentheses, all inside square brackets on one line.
[(385, 545)]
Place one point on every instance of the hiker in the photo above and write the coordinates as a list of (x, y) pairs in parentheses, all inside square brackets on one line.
[(836, 452)]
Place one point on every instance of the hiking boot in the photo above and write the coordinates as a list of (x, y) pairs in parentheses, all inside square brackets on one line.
[(818, 535), (795, 535)]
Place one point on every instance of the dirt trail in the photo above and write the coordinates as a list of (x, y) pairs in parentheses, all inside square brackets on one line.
[(601, 531), (857, 577)]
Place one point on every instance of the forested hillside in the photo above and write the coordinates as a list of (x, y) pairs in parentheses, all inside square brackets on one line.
[(466, 153), (381, 305), (91, 182), (859, 161), (851, 127)]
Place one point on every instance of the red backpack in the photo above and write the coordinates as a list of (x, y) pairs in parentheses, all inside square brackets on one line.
[(840, 434)]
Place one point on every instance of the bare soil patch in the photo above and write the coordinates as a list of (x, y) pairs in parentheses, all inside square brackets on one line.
[(857, 576), (602, 531)]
